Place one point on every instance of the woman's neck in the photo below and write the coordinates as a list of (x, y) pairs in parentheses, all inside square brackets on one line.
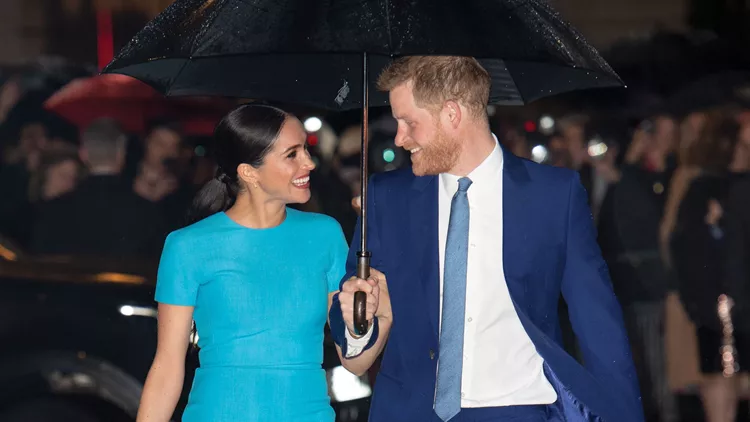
[(251, 211)]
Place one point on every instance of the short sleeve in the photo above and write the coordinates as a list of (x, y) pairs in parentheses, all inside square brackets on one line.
[(339, 252), (176, 281)]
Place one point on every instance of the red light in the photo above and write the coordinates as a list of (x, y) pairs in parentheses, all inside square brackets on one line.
[(104, 38), (312, 139), (529, 126)]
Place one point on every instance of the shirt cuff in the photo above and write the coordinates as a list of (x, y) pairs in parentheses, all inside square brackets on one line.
[(355, 346)]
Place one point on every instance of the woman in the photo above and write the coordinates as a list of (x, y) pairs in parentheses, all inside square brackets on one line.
[(254, 274), (698, 247)]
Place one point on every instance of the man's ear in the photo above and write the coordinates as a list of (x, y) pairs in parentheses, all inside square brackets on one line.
[(452, 114)]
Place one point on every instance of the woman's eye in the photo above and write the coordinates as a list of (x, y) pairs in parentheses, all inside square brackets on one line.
[(292, 155)]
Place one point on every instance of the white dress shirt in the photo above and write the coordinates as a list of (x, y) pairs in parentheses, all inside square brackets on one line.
[(501, 365)]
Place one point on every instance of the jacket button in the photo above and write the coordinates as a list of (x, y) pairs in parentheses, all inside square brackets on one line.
[(432, 354)]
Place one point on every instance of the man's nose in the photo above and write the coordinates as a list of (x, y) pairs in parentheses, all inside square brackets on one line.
[(399, 140)]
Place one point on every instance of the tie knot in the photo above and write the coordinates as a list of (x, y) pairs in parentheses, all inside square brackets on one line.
[(463, 184)]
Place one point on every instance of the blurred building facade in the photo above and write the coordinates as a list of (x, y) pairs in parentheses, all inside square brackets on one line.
[(603, 22)]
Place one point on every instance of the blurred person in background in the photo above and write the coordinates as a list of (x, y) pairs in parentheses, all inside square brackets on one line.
[(515, 140), (59, 172), (737, 267), (569, 146), (698, 251), (103, 216), (256, 276), (558, 152), (346, 159), (10, 93), (573, 130), (28, 141), (163, 174), (629, 222), (686, 170)]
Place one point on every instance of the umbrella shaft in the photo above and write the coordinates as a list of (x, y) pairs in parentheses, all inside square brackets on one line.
[(363, 155)]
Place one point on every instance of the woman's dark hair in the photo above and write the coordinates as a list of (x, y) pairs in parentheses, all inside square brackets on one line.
[(245, 135)]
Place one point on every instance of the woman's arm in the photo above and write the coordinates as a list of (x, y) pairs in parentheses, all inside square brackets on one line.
[(164, 382)]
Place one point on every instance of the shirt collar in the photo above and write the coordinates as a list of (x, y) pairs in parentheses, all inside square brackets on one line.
[(487, 171)]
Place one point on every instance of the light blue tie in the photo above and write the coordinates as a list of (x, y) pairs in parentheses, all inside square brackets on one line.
[(450, 361)]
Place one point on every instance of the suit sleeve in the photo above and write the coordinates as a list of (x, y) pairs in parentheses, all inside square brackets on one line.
[(595, 313), (335, 318)]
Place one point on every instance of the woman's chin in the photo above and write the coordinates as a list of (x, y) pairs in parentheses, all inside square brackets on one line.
[(300, 197)]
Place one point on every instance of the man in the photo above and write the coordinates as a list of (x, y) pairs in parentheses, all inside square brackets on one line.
[(477, 245), (103, 216), (629, 237)]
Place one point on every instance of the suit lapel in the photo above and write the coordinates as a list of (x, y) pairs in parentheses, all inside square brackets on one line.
[(423, 223), (515, 222)]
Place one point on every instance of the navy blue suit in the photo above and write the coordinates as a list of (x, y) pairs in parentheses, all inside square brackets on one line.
[(549, 247)]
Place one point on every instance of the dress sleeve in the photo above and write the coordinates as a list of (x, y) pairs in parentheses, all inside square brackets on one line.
[(339, 251), (176, 282)]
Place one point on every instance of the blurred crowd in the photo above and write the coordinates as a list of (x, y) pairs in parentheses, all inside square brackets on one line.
[(672, 208), (101, 190), (669, 194)]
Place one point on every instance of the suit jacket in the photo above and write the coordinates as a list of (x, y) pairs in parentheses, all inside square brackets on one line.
[(549, 248)]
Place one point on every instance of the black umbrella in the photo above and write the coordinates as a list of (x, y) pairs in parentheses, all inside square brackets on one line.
[(322, 53), (311, 52)]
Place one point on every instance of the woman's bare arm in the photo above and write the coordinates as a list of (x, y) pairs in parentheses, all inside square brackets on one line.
[(165, 378)]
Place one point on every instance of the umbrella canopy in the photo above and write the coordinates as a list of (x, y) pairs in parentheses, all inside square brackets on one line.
[(133, 104), (310, 52)]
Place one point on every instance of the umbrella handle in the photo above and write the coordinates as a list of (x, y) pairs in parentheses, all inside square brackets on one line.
[(360, 297)]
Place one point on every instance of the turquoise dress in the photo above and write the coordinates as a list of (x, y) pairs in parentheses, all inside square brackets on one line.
[(261, 301)]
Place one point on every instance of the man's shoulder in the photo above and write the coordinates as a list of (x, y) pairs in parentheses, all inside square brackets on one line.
[(548, 172), (394, 176), (395, 180), (547, 176)]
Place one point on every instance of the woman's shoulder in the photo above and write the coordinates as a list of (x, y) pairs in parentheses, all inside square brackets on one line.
[(319, 223), (313, 218), (198, 230)]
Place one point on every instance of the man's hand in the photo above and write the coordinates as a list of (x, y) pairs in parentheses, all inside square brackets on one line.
[(372, 287)]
